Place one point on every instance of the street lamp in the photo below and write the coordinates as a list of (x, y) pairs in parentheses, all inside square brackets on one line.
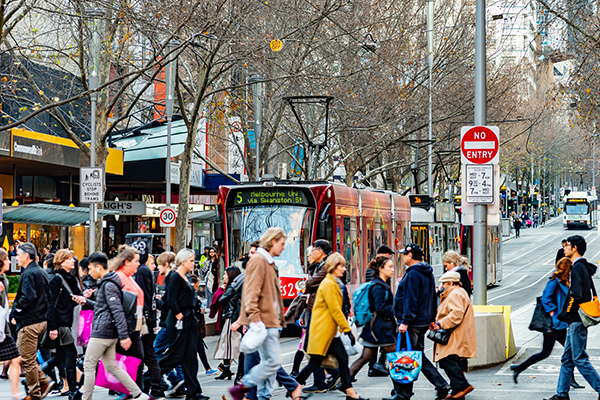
[(170, 74), (257, 95), (94, 19), (430, 10)]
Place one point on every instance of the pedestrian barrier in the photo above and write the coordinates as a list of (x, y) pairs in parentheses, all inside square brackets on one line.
[(495, 340)]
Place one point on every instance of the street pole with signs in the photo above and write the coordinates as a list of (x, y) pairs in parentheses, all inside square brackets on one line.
[(257, 92), (94, 20), (170, 74)]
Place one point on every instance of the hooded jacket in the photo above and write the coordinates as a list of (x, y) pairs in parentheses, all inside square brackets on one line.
[(580, 290), (415, 303), (109, 318), (31, 303)]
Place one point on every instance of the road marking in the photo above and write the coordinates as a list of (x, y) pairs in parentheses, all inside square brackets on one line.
[(535, 248), (525, 287), (519, 280)]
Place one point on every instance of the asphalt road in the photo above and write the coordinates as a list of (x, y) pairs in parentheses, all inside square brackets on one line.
[(528, 262)]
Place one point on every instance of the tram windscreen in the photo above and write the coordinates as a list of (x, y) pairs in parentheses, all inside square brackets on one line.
[(247, 224), (577, 208)]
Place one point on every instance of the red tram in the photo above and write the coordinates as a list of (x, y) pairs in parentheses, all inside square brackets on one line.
[(356, 222)]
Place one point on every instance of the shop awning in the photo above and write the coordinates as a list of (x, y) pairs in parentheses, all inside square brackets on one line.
[(49, 214), (203, 216), (148, 143)]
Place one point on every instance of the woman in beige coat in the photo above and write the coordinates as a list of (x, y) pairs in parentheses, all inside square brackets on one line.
[(328, 323), (455, 313)]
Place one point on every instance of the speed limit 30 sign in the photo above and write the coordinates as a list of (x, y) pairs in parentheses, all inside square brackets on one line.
[(167, 217)]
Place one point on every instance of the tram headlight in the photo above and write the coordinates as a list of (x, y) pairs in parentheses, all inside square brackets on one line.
[(300, 285)]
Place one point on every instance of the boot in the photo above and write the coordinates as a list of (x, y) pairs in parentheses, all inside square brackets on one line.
[(576, 385), (238, 378), (227, 374)]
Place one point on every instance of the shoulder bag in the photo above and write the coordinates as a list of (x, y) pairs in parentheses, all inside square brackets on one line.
[(442, 336), (589, 312), (541, 321)]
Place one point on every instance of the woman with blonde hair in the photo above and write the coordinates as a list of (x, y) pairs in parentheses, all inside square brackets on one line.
[(182, 326), (328, 321), (455, 262), (553, 299)]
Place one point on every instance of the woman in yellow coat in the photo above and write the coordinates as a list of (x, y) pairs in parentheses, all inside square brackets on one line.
[(456, 313), (328, 322)]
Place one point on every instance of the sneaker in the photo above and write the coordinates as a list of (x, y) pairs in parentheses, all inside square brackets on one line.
[(238, 392), (333, 382), (45, 389), (157, 394), (442, 393), (179, 392), (142, 396), (174, 389), (314, 389), (211, 371)]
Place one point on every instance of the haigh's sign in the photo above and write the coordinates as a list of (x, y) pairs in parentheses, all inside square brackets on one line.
[(126, 207)]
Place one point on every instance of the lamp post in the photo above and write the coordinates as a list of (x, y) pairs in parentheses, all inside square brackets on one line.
[(94, 19), (430, 9), (170, 74), (257, 95)]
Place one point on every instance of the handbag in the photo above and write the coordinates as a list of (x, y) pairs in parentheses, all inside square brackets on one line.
[(589, 312), (84, 329), (441, 336), (254, 337), (541, 321), (127, 363), (404, 365)]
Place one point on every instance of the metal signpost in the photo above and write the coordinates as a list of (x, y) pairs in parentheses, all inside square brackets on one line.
[(91, 191)]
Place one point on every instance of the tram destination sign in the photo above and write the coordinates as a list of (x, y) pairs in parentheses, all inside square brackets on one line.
[(270, 196)]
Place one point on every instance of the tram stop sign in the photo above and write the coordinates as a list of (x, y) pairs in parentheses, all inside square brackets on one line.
[(479, 145)]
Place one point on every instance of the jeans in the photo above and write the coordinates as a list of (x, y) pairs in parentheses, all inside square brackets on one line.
[(573, 356), (27, 343), (455, 368), (336, 349), (270, 360), (107, 349), (161, 343), (264, 390), (417, 339), (559, 336)]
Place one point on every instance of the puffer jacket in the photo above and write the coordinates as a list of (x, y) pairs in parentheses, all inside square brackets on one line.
[(60, 304), (109, 318)]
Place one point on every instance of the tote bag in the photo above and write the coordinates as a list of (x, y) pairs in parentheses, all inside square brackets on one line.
[(589, 312), (541, 320), (404, 365), (84, 330), (126, 363)]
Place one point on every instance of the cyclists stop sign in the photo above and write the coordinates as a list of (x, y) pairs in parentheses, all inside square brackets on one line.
[(479, 145)]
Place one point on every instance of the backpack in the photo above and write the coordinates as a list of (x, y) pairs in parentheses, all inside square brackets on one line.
[(362, 307)]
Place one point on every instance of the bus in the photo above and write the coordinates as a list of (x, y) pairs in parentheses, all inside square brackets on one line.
[(580, 210), (436, 228), (356, 222)]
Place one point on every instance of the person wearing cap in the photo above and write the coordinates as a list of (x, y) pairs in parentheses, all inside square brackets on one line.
[(455, 313), (415, 306)]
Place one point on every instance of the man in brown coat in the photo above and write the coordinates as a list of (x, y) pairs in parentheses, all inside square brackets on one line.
[(262, 307)]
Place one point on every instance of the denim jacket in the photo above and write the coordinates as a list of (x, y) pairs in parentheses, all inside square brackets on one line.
[(553, 298)]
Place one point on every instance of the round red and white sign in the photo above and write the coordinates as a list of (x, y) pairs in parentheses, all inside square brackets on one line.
[(479, 145), (167, 217)]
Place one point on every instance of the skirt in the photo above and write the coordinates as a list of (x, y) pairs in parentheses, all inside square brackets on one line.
[(8, 349), (228, 347)]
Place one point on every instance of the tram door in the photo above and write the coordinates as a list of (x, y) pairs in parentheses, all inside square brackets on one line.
[(420, 236)]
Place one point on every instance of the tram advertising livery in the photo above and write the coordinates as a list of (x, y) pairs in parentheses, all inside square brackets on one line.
[(356, 222)]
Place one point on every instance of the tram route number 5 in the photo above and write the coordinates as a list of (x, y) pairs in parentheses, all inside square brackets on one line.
[(167, 217)]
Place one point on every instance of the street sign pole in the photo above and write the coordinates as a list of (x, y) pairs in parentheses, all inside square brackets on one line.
[(480, 210)]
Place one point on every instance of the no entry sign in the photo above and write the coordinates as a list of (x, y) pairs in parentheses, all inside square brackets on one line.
[(479, 145)]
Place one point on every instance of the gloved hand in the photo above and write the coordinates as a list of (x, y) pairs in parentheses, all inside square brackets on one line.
[(351, 337)]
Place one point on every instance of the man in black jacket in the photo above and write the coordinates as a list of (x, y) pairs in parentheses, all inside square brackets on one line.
[(574, 354), (415, 306), (144, 277), (29, 314)]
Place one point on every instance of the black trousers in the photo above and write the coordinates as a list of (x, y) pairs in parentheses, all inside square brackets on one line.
[(336, 349), (151, 361), (559, 336), (417, 340), (67, 356), (455, 367), (202, 353)]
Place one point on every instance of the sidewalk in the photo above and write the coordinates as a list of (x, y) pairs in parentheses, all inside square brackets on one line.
[(551, 221)]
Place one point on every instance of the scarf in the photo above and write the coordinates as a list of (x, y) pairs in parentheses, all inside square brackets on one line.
[(125, 275)]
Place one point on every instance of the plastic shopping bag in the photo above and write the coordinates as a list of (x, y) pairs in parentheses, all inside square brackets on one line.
[(350, 349), (405, 364), (126, 363), (84, 330), (254, 337)]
